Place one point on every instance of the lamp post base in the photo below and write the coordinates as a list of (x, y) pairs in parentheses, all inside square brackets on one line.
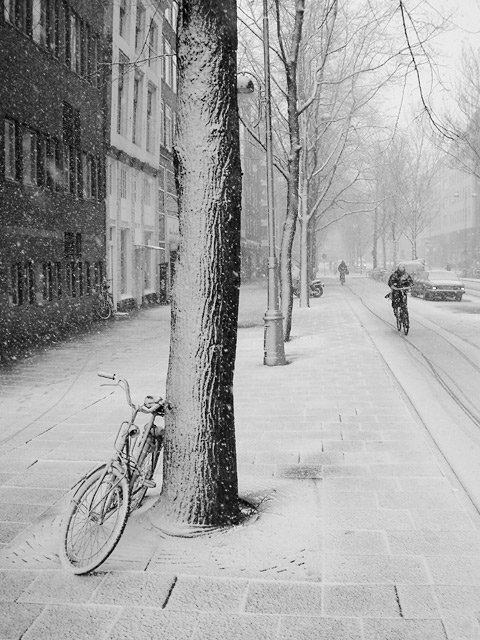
[(274, 352)]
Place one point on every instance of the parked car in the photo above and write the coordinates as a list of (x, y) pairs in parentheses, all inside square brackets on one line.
[(416, 268), (439, 284), (316, 288)]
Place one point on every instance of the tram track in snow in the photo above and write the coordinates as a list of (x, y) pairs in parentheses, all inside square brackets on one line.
[(451, 343)]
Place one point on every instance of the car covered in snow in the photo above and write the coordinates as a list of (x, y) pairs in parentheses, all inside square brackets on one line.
[(438, 284)]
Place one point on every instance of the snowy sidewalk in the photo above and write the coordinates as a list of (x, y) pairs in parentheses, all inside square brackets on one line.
[(360, 534)]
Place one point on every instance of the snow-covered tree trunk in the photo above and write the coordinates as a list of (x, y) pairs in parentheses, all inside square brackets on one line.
[(200, 474)]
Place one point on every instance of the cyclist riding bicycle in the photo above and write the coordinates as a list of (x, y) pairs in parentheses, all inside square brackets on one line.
[(399, 280), (343, 271)]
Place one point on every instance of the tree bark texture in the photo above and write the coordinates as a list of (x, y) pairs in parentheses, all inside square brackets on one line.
[(200, 474)]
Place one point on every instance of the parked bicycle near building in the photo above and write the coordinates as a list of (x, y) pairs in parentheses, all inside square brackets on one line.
[(105, 497), (104, 306)]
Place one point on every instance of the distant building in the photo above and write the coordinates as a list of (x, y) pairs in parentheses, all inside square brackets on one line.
[(52, 150), (167, 192), (453, 235), (254, 221), (133, 96)]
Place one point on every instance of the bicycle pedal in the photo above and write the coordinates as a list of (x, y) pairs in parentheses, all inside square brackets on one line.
[(150, 484)]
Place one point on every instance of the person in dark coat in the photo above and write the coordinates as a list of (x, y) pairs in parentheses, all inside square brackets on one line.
[(399, 279), (342, 270)]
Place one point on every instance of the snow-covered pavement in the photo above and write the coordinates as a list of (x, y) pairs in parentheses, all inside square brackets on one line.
[(362, 531)]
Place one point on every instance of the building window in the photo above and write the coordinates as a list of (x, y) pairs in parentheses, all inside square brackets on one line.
[(41, 160), (19, 13), (22, 283), (174, 72), (8, 11), (95, 179), (74, 42), (134, 188), (79, 174), (88, 279), (140, 27), (151, 103), (146, 191), (29, 157), (97, 273), (162, 123), (39, 21), (87, 175), (58, 165), (170, 182), (49, 281), (168, 127), (80, 279), (73, 270), (137, 110), (52, 26), (168, 14), (71, 125), (66, 167), (58, 278), (124, 262), (122, 19), (72, 170), (152, 45), (148, 268), (110, 178), (123, 183), (168, 63), (70, 279), (92, 58), (122, 95), (85, 50), (11, 150)]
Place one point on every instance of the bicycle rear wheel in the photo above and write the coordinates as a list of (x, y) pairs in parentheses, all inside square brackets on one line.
[(96, 520), (103, 309), (147, 464)]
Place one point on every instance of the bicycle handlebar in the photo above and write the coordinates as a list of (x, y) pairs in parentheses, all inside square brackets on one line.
[(121, 382), (110, 376), (151, 406)]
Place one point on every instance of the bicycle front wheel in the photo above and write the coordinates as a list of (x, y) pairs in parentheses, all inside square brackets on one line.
[(398, 317), (96, 520), (405, 322)]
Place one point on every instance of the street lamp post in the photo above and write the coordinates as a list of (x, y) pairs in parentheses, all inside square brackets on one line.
[(274, 353)]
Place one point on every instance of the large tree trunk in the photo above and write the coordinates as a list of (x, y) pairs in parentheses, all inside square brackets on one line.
[(200, 474)]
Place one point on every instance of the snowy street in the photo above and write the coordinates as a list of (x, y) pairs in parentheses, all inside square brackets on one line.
[(362, 529)]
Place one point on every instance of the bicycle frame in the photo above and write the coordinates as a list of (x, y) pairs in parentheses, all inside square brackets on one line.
[(126, 459)]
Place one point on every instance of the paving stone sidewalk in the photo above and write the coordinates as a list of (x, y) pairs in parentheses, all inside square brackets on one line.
[(361, 532)]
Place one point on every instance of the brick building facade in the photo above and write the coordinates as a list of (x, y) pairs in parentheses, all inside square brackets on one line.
[(52, 165)]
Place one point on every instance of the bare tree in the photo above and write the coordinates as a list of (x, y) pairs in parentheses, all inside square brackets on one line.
[(200, 476), (460, 134), (413, 169)]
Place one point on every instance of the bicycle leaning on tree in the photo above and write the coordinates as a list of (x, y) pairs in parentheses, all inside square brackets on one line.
[(106, 495)]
